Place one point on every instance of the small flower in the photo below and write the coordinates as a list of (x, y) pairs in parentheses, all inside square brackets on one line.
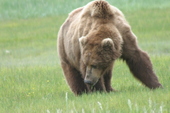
[(7, 51)]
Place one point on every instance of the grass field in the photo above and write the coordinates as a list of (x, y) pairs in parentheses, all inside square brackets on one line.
[(31, 79)]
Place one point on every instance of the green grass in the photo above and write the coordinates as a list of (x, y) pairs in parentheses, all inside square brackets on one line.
[(31, 79), (19, 9)]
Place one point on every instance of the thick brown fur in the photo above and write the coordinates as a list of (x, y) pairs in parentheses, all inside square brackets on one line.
[(91, 39)]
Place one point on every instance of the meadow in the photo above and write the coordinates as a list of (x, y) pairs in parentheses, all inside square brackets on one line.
[(31, 79)]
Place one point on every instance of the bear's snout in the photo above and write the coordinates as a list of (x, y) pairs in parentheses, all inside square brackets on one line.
[(89, 82)]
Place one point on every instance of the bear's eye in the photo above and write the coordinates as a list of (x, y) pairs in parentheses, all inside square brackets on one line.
[(94, 66)]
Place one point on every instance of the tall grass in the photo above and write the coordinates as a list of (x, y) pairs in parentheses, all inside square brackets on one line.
[(31, 79)]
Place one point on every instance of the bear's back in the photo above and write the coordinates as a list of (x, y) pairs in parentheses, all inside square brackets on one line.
[(82, 22)]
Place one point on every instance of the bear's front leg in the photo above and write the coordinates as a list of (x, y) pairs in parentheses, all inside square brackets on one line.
[(138, 61), (74, 79)]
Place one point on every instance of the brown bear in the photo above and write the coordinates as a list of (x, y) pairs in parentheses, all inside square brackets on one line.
[(91, 39)]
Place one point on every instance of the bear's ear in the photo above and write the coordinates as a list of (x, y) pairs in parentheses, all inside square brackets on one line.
[(82, 40), (107, 43)]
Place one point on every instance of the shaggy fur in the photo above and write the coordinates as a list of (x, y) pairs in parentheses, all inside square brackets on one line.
[(89, 42)]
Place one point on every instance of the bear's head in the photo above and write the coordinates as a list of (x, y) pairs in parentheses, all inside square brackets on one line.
[(98, 55)]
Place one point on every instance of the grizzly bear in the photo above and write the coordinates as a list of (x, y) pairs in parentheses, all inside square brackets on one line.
[(89, 42)]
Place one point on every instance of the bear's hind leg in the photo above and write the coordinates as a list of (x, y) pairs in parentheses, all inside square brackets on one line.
[(104, 84), (99, 86), (74, 79), (107, 81)]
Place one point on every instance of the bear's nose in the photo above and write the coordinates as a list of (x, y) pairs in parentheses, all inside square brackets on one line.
[(89, 82)]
